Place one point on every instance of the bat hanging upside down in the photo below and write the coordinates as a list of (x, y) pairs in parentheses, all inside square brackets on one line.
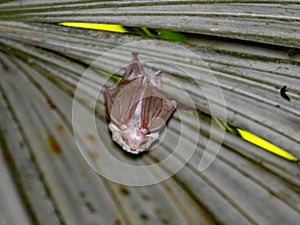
[(137, 108)]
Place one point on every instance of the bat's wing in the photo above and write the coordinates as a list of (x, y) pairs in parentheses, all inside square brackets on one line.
[(122, 100), (156, 109)]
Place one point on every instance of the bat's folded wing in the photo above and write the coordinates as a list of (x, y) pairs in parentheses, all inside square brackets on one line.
[(122, 100), (156, 109)]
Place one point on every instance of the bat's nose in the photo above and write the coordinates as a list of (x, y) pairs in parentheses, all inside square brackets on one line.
[(134, 147), (134, 139), (134, 144)]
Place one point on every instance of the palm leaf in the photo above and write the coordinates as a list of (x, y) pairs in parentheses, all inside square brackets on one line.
[(250, 47)]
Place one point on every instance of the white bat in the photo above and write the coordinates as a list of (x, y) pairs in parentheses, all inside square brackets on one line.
[(137, 108)]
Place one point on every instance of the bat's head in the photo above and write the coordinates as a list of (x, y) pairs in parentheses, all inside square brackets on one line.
[(131, 138)]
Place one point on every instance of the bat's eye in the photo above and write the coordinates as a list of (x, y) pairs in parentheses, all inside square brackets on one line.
[(124, 139), (144, 142)]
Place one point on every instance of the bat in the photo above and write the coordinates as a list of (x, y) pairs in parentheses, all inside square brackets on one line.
[(137, 109), (283, 94)]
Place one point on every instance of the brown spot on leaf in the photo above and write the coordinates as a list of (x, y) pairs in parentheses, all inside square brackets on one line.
[(168, 189), (94, 155), (118, 222), (145, 197), (88, 204), (60, 127), (124, 190), (144, 216), (54, 146), (165, 221), (158, 211), (91, 137), (215, 23), (90, 207), (51, 104)]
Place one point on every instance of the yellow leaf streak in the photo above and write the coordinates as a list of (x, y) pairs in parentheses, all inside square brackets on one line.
[(96, 26), (246, 135)]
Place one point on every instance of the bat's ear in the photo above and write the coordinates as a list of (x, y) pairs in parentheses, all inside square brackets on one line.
[(156, 78), (135, 69)]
